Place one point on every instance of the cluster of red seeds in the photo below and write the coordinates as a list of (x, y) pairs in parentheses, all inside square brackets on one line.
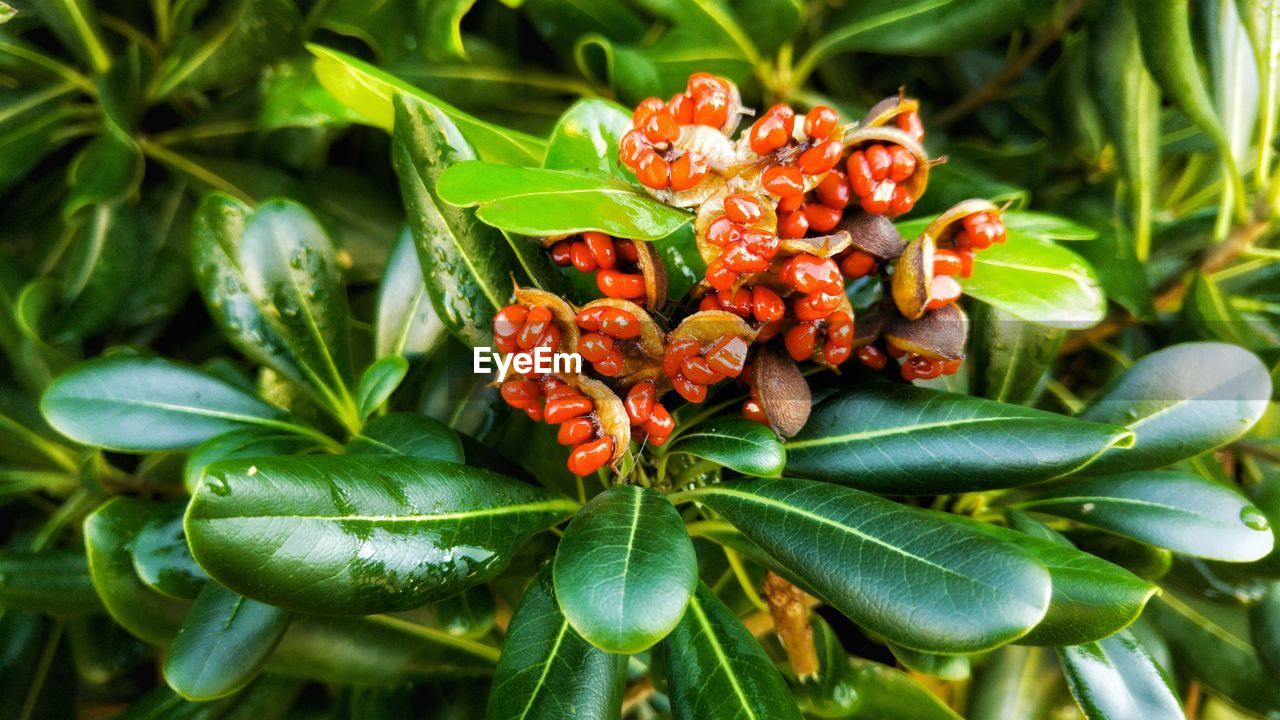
[(819, 210), (876, 175), (647, 150), (692, 366), (608, 329), (743, 247), (649, 419), (817, 152), (613, 261), (520, 328)]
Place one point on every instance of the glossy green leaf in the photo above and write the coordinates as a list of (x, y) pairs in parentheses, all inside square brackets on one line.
[(832, 693), (406, 323), (533, 201), (547, 670), (141, 404), (35, 127), (469, 614), (1115, 678), (1047, 226), (1264, 630), (378, 382), (586, 137), (98, 270), (249, 442), (360, 533), (625, 569), (916, 578), (368, 91), (660, 68), (736, 443), (1038, 281), (106, 170), (1175, 510), (444, 29), (109, 534), (231, 47), (717, 669), (222, 644), (407, 434), (898, 439), (945, 667), (1179, 402), (1009, 357), (56, 582), (161, 557), (1211, 315), (467, 265)]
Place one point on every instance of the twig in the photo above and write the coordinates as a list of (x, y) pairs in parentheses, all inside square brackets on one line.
[(636, 693), (1012, 70)]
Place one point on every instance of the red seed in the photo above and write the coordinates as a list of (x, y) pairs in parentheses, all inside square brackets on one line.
[(772, 130), (784, 180), (697, 370), (682, 108), (611, 365), (594, 347), (943, 291), (534, 413), (904, 164), (675, 355), (722, 231), (702, 82), (822, 218), (618, 284), (626, 250), (878, 202), (589, 319), (720, 276), (871, 356), (820, 122), (787, 204), (520, 393), (737, 257), (646, 108), (582, 258), (767, 306), (560, 253), (688, 389), (659, 425), (738, 302), (819, 159), (575, 431), (687, 171), (902, 201), (793, 224), (618, 323), (769, 331), (879, 160), (752, 410), (639, 402), (601, 247), (833, 191), (800, 340), (836, 354), (711, 108), (710, 301), (909, 122), (966, 262), (860, 180), (661, 127), (810, 273), (761, 242), (840, 328), (947, 262), (652, 171), (590, 456), (743, 209), (535, 325), (858, 264), (509, 320), (728, 355), (559, 409), (632, 147), (818, 305)]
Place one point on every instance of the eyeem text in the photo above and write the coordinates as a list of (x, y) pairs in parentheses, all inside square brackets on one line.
[(538, 361)]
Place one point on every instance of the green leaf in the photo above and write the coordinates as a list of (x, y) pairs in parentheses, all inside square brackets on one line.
[(354, 534), (56, 582), (222, 644), (1010, 358), (769, 24), (444, 29), (533, 201), (586, 137), (1211, 314), (1115, 678), (736, 443), (548, 671), (467, 265), (406, 324), (898, 439), (34, 124), (1179, 402), (1046, 226), (832, 694), (1179, 511), (407, 434), (1129, 102), (717, 669), (109, 534), (945, 667), (161, 557), (1038, 281), (107, 170), (98, 270), (967, 591), (378, 382), (887, 692), (368, 92), (148, 404), (249, 442), (1113, 256), (1264, 630), (75, 22), (625, 569), (660, 68), (232, 46)]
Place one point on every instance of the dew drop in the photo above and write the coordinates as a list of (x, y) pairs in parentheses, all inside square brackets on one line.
[(1253, 518)]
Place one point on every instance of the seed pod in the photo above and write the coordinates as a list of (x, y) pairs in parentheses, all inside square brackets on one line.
[(885, 112), (708, 326), (822, 245), (609, 411), (783, 391), (873, 234), (712, 210), (562, 314), (654, 272), (869, 328), (642, 356), (913, 277), (865, 136), (946, 226), (938, 335), (716, 150)]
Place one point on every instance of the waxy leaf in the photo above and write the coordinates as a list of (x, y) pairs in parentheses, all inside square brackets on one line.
[(406, 323), (917, 578), (946, 667), (1264, 629), (548, 671), (408, 434), (161, 557), (898, 439), (468, 266), (232, 46), (533, 201), (356, 534), (1179, 402), (56, 582), (250, 442), (1046, 226), (717, 670), (368, 92), (222, 644), (586, 137), (1115, 678), (736, 443), (1175, 510), (1039, 281), (625, 569), (145, 404), (659, 68), (378, 382), (1010, 357)]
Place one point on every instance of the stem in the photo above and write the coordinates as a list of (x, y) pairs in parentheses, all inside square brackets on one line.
[(78, 502), (42, 671), (744, 580)]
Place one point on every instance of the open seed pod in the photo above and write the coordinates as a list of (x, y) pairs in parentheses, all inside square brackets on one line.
[(748, 173), (716, 151), (820, 245), (885, 112), (708, 326), (654, 272), (873, 234), (863, 137), (946, 226), (562, 314), (641, 356), (782, 389), (712, 210), (609, 412), (938, 335), (819, 348), (913, 278), (869, 327)]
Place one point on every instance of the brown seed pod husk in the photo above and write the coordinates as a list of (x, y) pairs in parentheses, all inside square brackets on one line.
[(654, 272), (782, 389), (609, 410), (642, 353), (887, 110), (821, 245), (913, 278), (713, 209), (864, 136), (946, 226), (875, 235), (562, 314), (938, 335), (868, 328), (708, 326)]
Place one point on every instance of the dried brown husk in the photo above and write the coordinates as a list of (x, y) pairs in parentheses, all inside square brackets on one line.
[(912, 285), (708, 326), (654, 272), (609, 412), (562, 315), (946, 226), (875, 235), (642, 354), (887, 110), (861, 137), (782, 389), (938, 335), (868, 327), (820, 245)]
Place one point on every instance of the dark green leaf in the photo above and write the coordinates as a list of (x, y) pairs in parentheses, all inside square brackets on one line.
[(1039, 281), (1179, 402), (54, 581), (1179, 511), (832, 693), (98, 270), (407, 323), (35, 126), (75, 22), (1210, 313), (1010, 357), (250, 442), (1113, 256), (548, 671), (1115, 678), (406, 434), (354, 534), (916, 578), (945, 667), (769, 24), (625, 569), (378, 382), (1015, 683), (106, 170), (231, 47), (533, 201), (222, 644), (147, 404), (1046, 226), (161, 557), (444, 29), (586, 138), (717, 669), (1264, 630), (468, 266), (660, 68), (900, 439), (737, 443), (887, 692)]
